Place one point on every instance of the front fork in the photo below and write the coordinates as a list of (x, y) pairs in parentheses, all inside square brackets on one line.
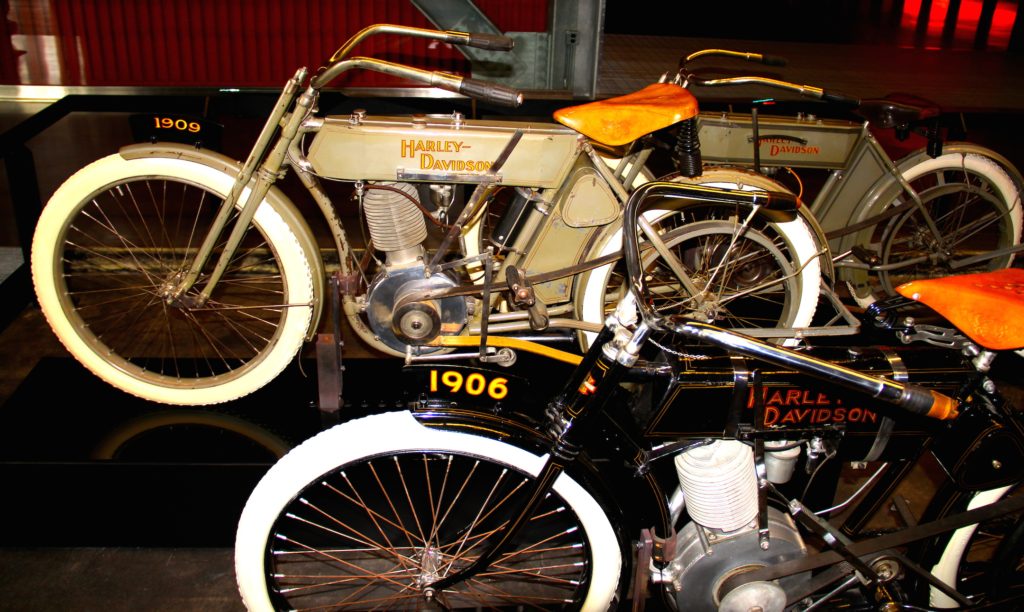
[(589, 388), (269, 173)]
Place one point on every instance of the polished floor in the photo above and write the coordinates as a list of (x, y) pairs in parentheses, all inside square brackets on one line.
[(56, 556)]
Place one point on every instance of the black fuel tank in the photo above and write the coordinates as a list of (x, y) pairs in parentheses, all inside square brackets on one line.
[(698, 399)]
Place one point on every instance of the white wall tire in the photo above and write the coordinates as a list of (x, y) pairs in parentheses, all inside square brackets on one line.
[(947, 567), (80, 193), (385, 435), (795, 235), (864, 284)]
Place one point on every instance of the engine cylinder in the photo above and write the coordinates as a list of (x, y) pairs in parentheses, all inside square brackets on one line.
[(720, 484), (396, 224)]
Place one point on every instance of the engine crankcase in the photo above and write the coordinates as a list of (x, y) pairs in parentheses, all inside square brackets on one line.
[(706, 558), (418, 322)]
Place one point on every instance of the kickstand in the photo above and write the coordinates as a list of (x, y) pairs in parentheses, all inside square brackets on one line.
[(329, 367)]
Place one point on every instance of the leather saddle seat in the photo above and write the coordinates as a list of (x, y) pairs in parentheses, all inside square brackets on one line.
[(988, 307), (623, 119)]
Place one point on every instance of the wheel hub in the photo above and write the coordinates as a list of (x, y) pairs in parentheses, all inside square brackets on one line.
[(430, 566)]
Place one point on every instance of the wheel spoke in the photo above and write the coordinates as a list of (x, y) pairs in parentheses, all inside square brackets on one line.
[(373, 534)]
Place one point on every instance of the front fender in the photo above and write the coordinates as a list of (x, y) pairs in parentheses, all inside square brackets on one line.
[(275, 197), (631, 500)]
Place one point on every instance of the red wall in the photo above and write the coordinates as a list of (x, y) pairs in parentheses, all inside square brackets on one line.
[(247, 43)]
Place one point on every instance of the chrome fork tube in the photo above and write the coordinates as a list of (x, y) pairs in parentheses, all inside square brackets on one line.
[(267, 176)]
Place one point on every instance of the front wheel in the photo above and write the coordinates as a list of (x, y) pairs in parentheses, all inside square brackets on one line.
[(111, 245), (365, 515), (984, 562)]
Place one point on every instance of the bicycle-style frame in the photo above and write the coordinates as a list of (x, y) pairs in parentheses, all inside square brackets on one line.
[(566, 170), (535, 247)]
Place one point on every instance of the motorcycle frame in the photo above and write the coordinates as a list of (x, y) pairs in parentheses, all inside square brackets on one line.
[(862, 181), (576, 160)]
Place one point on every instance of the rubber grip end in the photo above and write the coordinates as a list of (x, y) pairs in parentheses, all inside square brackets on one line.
[(492, 92), (943, 407), (491, 42), (839, 97)]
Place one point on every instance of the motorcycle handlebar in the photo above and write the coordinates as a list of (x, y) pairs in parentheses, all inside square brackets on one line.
[(481, 90), (832, 96), (491, 92)]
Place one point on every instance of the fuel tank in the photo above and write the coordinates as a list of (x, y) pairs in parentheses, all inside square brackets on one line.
[(708, 394), (441, 149)]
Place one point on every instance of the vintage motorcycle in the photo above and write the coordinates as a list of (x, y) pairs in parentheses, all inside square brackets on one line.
[(184, 277), (942, 208), (680, 465)]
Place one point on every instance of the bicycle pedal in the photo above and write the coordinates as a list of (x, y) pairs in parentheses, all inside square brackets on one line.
[(520, 288)]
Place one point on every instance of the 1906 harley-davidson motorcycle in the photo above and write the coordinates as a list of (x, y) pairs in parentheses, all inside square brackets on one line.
[(680, 465)]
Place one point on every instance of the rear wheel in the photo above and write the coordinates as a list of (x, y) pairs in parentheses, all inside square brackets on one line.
[(754, 273), (984, 562), (976, 211)]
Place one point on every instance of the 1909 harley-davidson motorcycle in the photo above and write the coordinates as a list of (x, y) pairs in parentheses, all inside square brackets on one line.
[(184, 277), (680, 465)]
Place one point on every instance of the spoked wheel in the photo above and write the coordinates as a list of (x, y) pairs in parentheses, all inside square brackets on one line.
[(973, 212), (756, 274), (112, 245), (739, 279), (332, 528)]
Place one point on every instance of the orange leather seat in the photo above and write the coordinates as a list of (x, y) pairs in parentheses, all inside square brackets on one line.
[(616, 121), (988, 307)]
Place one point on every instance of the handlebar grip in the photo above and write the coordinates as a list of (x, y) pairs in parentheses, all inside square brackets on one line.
[(839, 97), (491, 92), (491, 42), (773, 60), (927, 402)]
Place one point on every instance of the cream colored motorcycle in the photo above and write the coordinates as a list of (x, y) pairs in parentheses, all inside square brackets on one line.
[(185, 277)]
